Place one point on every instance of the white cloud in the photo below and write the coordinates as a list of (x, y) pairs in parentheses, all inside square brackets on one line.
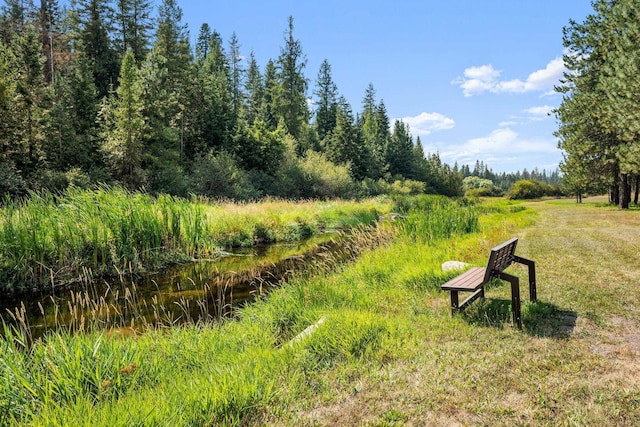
[(539, 113), (485, 78), (503, 150), (426, 123)]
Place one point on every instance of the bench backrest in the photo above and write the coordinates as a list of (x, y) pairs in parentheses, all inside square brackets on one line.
[(501, 257)]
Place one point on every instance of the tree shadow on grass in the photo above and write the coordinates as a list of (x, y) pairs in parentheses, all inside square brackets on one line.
[(539, 319)]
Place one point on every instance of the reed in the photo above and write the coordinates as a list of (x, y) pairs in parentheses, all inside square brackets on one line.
[(47, 240)]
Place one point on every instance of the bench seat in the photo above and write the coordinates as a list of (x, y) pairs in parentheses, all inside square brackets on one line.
[(469, 281)]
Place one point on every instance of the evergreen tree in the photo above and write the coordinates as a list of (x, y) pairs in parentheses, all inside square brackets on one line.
[(292, 102), (344, 145), (133, 27), (327, 102), (169, 99), (421, 170), (8, 110), (203, 43), (172, 42), (124, 123), (400, 151), (215, 120), (235, 73), (379, 144), (94, 26), (13, 18), (588, 145), (254, 91), (48, 19), (374, 125), (272, 89), (29, 103)]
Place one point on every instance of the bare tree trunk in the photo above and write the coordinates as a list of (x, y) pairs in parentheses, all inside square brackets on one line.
[(625, 191)]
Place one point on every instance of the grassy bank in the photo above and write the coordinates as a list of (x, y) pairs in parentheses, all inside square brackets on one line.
[(387, 351), (49, 240)]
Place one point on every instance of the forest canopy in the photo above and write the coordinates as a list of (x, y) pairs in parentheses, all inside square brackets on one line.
[(113, 92)]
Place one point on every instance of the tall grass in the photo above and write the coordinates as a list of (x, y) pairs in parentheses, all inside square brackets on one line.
[(238, 372), (48, 240), (430, 218)]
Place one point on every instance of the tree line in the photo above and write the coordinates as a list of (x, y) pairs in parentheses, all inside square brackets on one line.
[(599, 118), (111, 91)]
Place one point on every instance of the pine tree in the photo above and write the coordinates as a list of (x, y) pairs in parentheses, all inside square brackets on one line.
[(94, 26), (124, 131), (374, 125), (172, 41), (133, 27), (30, 104), (272, 89), (420, 168), (400, 150), (327, 102), (292, 101), (344, 145), (254, 91), (203, 43), (48, 21), (235, 73), (170, 106), (215, 121), (14, 16)]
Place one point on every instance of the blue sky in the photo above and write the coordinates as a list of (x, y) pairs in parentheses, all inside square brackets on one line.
[(473, 78)]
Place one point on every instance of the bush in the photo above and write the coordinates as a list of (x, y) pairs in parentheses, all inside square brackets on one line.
[(475, 186), (217, 175), (532, 189), (314, 176), (11, 182)]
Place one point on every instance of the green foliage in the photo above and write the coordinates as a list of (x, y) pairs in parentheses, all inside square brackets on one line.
[(125, 126), (84, 95), (529, 189), (343, 146), (477, 187), (315, 176), (400, 150), (219, 176), (431, 218), (291, 101), (11, 183), (48, 240), (327, 103), (405, 186), (599, 123)]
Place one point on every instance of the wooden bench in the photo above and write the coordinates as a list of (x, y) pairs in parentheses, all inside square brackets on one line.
[(474, 280)]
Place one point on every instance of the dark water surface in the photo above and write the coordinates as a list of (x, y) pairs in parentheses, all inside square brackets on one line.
[(199, 291)]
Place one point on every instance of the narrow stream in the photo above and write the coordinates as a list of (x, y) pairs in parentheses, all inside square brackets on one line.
[(199, 291)]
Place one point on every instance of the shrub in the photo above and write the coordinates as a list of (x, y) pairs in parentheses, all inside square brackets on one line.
[(315, 176), (217, 175), (532, 189), (475, 186)]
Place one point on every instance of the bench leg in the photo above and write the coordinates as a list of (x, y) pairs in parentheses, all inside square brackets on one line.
[(455, 306), (515, 297), (532, 276)]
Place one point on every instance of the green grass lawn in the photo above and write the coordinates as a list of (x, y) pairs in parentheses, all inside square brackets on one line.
[(387, 351)]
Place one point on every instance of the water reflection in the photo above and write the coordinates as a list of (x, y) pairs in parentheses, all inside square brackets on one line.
[(199, 291)]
